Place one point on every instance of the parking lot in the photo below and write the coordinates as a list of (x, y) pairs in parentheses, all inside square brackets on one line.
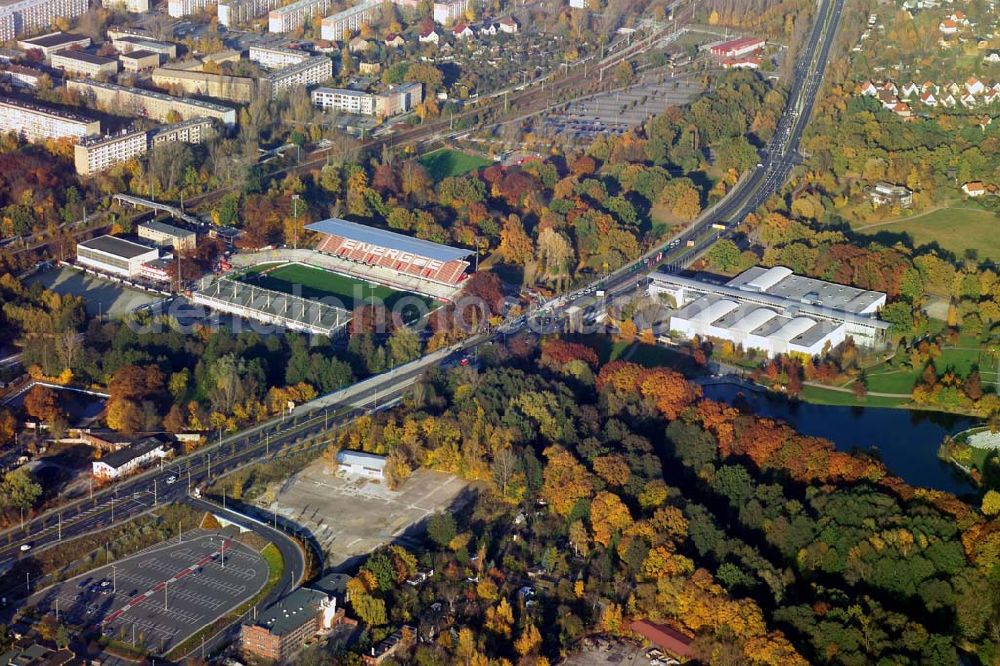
[(619, 653), (350, 517), (161, 596)]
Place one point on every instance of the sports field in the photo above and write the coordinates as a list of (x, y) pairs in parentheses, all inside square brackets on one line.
[(954, 229), (312, 282), (445, 162)]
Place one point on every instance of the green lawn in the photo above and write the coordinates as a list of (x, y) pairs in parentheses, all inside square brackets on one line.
[(824, 396), (446, 162), (312, 282), (954, 229)]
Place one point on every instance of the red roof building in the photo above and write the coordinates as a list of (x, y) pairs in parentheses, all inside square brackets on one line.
[(738, 47), (669, 640)]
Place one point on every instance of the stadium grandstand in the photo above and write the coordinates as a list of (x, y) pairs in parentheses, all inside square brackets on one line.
[(379, 248), (231, 295)]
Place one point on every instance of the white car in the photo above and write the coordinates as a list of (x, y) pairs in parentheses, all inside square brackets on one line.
[(171, 479), (25, 547)]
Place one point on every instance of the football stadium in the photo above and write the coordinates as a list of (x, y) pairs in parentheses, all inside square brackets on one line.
[(315, 291)]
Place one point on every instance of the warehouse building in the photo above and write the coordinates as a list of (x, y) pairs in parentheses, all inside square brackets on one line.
[(164, 235), (149, 103), (86, 64), (54, 42), (139, 60), (358, 463), (126, 43), (774, 311), (35, 122), (94, 154), (114, 255)]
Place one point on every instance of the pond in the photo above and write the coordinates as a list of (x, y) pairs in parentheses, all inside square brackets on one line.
[(906, 441)]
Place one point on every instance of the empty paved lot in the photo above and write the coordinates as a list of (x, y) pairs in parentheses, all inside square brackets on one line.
[(198, 588), (351, 517)]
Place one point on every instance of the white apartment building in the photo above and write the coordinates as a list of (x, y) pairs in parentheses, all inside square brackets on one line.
[(179, 8), (309, 72), (290, 17), (130, 459), (450, 11), (27, 16), (240, 12), (195, 130), (78, 62), (345, 100), (275, 57), (396, 100), (94, 154), (35, 122), (350, 20), (114, 255)]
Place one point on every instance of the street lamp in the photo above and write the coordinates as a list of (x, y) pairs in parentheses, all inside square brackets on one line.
[(295, 218)]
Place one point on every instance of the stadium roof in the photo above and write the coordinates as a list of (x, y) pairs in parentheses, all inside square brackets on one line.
[(388, 239), (118, 247)]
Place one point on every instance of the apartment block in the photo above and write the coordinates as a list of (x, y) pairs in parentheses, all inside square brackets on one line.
[(398, 99), (274, 57), (149, 103), (345, 100), (27, 16), (53, 43), (85, 64), (179, 8), (35, 122), (240, 12), (290, 17), (306, 73), (335, 27), (195, 130), (232, 88), (99, 153), (450, 11)]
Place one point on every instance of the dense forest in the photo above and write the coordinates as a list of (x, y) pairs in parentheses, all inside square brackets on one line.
[(639, 498)]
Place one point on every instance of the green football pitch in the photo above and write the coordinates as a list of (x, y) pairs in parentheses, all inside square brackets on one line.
[(311, 282)]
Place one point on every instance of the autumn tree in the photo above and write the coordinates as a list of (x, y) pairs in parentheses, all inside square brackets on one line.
[(42, 403)]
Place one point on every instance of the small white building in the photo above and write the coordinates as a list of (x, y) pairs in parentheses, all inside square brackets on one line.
[(358, 463), (120, 463)]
